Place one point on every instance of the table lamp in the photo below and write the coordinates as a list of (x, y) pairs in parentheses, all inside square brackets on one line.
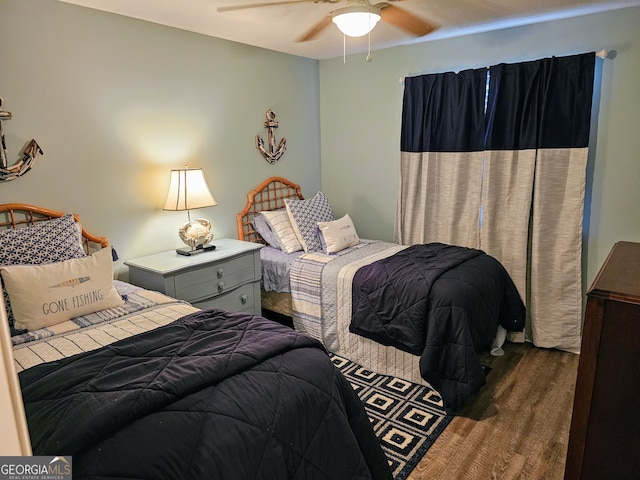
[(188, 190)]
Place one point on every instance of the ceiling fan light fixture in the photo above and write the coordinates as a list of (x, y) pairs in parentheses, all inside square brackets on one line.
[(356, 21)]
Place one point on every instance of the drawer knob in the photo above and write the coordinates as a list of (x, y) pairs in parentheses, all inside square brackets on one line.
[(220, 272), (220, 286), (243, 299)]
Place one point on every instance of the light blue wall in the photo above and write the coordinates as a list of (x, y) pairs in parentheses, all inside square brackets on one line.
[(361, 106), (115, 103)]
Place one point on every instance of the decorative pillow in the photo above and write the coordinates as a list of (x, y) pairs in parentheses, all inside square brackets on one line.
[(45, 242), (283, 230), (305, 215), (44, 295), (261, 225), (338, 235)]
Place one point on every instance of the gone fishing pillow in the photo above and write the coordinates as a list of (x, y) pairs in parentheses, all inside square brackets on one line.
[(48, 241), (44, 295)]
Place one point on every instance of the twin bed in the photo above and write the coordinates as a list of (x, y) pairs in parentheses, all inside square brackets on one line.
[(417, 312), (173, 391), (151, 387)]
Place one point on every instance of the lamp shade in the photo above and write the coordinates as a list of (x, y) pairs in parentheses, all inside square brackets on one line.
[(188, 189), (356, 21)]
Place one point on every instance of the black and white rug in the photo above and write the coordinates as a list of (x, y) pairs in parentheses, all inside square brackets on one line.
[(406, 417)]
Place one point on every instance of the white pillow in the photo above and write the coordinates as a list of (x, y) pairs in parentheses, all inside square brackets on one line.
[(45, 295), (283, 230), (338, 234)]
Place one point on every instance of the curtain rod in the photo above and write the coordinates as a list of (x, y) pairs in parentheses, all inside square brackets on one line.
[(601, 54)]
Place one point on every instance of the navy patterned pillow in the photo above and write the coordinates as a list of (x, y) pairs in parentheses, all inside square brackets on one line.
[(305, 215), (49, 241)]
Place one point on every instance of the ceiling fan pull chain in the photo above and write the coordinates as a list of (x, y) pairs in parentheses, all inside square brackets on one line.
[(344, 48), (368, 59)]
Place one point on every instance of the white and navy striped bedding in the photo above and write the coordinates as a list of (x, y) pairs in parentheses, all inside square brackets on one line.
[(321, 304), (143, 310)]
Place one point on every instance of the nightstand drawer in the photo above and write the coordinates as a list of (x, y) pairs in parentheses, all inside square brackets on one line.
[(239, 300), (215, 279)]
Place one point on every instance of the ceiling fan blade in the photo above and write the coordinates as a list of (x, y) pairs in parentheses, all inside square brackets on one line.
[(256, 5), (405, 20), (316, 29)]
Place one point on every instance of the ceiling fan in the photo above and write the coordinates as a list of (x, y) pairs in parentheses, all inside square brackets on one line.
[(356, 19)]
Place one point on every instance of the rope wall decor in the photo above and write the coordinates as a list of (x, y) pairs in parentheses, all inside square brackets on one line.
[(29, 154), (273, 154)]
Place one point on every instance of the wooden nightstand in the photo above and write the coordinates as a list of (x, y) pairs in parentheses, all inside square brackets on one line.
[(227, 278)]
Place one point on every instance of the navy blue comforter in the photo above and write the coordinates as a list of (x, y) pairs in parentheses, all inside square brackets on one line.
[(441, 302), (214, 395)]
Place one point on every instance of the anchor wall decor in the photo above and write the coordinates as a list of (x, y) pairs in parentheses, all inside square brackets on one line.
[(29, 154), (273, 154)]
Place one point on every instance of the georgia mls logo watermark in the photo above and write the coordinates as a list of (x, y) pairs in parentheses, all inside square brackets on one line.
[(35, 468)]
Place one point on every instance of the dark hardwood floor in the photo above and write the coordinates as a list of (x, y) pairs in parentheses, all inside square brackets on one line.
[(516, 427)]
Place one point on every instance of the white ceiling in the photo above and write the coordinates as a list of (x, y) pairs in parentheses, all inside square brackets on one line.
[(277, 27)]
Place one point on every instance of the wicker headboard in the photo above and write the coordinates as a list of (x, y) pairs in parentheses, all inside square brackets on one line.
[(269, 195), (18, 215)]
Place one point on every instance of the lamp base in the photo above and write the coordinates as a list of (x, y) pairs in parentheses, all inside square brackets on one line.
[(187, 251)]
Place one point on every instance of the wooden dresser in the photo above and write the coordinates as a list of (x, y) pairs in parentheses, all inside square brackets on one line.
[(604, 440)]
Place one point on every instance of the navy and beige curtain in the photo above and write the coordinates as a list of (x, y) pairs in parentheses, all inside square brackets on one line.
[(496, 159)]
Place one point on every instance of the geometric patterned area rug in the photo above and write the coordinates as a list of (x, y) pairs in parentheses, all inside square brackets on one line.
[(406, 417)]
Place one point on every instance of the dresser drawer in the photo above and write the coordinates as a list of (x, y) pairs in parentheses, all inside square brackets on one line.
[(215, 279), (241, 299)]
